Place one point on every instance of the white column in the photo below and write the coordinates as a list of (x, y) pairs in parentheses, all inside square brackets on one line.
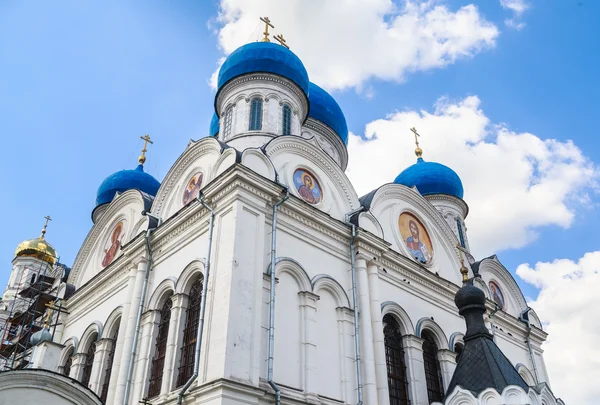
[(149, 325), (77, 366), (308, 304), (127, 348), (114, 376), (176, 324), (366, 334), (383, 394), (417, 383), (100, 356), (447, 360)]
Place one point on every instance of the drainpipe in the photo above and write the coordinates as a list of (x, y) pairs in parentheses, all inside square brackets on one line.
[(153, 223), (359, 389), (524, 317), (272, 299), (189, 382)]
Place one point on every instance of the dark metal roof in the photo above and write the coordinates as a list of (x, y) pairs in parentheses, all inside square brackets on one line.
[(482, 365)]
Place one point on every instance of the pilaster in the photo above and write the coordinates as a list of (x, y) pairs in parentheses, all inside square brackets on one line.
[(383, 394), (417, 383), (447, 360), (77, 366), (176, 325), (103, 347), (366, 334), (149, 328), (308, 305)]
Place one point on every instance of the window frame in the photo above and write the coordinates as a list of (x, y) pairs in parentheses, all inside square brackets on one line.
[(157, 365), (286, 110), (396, 370), (190, 332), (256, 114), (433, 370)]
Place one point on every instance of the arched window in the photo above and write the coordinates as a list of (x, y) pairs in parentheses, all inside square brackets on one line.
[(433, 374), (160, 349), (109, 365), (66, 370), (394, 358), (186, 364), (460, 232), (228, 121), (256, 107), (286, 120), (89, 362)]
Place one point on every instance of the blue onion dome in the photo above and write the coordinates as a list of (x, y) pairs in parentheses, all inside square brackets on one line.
[(324, 108), (431, 178), (265, 57), (214, 125), (40, 336), (124, 180)]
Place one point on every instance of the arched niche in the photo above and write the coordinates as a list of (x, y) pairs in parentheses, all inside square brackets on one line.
[(291, 153), (126, 207)]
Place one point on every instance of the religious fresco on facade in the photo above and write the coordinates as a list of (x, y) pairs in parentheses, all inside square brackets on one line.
[(308, 187), (192, 188), (497, 295), (113, 243), (415, 237)]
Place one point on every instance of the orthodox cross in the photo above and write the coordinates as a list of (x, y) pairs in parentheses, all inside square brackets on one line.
[(145, 401), (267, 25), (47, 218), (146, 139), (418, 151), (279, 38)]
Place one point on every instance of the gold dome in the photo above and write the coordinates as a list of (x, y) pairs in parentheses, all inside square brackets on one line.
[(38, 248)]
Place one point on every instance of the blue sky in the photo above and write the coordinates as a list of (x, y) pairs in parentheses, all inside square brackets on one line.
[(81, 81)]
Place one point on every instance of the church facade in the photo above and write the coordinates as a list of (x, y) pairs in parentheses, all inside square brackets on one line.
[(254, 273)]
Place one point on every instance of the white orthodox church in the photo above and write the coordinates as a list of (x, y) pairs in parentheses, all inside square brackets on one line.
[(254, 274)]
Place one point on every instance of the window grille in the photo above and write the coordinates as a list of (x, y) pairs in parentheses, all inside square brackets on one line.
[(460, 233), (186, 364), (108, 371), (433, 374), (256, 107), (394, 359), (228, 121), (67, 367), (89, 362), (287, 120), (160, 349)]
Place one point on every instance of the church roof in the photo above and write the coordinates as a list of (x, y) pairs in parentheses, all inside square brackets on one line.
[(124, 180), (264, 57), (431, 178), (324, 108), (482, 364)]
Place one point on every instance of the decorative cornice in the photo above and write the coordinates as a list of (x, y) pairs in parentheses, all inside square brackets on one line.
[(332, 137), (462, 205)]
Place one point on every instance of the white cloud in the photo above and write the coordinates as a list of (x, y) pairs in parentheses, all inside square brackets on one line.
[(515, 183), (343, 43), (518, 7), (568, 302)]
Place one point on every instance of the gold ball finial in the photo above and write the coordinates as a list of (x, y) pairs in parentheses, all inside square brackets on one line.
[(418, 150), (463, 269)]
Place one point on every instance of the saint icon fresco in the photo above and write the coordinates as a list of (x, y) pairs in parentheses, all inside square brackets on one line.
[(192, 188), (496, 293), (308, 187), (415, 237), (114, 244)]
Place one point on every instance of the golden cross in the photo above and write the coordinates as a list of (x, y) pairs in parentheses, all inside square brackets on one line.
[(267, 25), (463, 270), (418, 150), (47, 218), (50, 306), (279, 38), (146, 139)]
